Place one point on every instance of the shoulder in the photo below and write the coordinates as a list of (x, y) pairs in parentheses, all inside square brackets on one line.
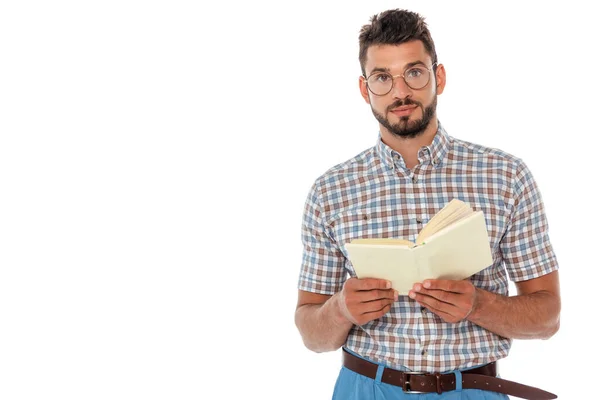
[(363, 164), (463, 150), (483, 156), (495, 164), (341, 180)]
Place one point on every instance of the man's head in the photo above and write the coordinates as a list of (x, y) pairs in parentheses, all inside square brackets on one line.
[(401, 78)]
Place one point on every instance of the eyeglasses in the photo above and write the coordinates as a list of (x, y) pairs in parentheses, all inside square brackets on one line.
[(381, 83)]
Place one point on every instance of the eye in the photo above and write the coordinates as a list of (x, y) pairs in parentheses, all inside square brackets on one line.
[(414, 73), (381, 78)]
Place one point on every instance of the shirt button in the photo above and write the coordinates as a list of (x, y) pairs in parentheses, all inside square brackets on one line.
[(424, 352), (414, 179), (435, 162), (419, 220), (423, 310)]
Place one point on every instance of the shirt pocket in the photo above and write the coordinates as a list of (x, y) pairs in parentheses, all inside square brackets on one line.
[(370, 223)]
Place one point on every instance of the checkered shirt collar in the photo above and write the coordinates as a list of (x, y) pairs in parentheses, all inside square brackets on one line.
[(435, 153)]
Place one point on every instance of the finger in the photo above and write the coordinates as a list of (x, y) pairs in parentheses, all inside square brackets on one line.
[(431, 302), (370, 316), (445, 311), (441, 295), (446, 285), (444, 314), (375, 305), (372, 283), (370, 295), (369, 309)]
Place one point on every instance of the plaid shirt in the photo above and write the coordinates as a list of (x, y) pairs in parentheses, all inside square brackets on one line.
[(374, 195)]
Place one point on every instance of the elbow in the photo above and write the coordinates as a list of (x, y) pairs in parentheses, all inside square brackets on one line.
[(552, 329), (314, 347), (320, 347), (315, 344), (304, 331), (312, 340), (553, 323)]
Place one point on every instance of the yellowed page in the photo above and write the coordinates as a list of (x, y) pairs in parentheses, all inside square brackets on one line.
[(456, 252), (388, 241), (454, 211), (384, 261), (442, 223)]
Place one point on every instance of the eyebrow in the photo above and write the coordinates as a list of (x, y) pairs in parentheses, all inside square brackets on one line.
[(409, 65)]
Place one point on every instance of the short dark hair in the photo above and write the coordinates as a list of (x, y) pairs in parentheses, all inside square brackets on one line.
[(394, 27)]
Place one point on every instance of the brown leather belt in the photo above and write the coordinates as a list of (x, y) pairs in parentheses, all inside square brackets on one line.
[(483, 378)]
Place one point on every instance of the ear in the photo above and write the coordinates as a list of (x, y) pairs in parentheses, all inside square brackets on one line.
[(440, 78), (364, 91)]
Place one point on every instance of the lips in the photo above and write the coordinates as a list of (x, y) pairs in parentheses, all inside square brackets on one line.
[(403, 111)]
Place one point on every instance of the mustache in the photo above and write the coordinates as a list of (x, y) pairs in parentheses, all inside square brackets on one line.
[(404, 102)]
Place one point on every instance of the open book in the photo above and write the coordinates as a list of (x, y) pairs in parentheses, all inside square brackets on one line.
[(454, 244)]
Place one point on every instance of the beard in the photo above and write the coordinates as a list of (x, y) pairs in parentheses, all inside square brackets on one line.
[(405, 128)]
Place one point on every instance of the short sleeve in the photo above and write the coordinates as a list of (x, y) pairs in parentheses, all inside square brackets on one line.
[(525, 246), (322, 269)]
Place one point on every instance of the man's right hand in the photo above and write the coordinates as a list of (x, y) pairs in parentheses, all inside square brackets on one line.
[(363, 300)]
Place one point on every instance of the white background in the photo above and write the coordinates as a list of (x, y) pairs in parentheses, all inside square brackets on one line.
[(155, 158)]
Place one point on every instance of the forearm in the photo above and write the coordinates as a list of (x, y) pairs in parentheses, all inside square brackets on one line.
[(529, 316), (322, 326)]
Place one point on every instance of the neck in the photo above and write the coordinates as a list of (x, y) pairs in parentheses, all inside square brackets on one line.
[(409, 147)]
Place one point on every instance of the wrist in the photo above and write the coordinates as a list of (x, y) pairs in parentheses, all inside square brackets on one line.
[(482, 298), (337, 310)]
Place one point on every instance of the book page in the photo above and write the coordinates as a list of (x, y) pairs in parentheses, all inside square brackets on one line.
[(457, 251), (444, 222), (386, 241), (393, 263), (450, 214)]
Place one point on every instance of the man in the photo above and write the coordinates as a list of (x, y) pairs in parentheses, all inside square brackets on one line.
[(445, 337)]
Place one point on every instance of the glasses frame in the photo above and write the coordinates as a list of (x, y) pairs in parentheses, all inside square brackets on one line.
[(403, 78)]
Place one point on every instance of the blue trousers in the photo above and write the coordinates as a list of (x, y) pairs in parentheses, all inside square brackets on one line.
[(353, 386)]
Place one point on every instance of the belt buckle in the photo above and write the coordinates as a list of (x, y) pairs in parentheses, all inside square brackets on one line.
[(406, 383)]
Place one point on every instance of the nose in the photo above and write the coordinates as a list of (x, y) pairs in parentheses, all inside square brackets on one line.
[(400, 90)]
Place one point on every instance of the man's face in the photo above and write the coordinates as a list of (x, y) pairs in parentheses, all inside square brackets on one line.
[(403, 112)]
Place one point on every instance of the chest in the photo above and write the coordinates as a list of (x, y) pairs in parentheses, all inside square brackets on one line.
[(396, 207)]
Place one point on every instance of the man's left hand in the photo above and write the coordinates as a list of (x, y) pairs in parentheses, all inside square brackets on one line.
[(453, 301)]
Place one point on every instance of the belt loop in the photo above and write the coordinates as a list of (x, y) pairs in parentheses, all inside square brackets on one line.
[(438, 383), (458, 379), (380, 369)]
